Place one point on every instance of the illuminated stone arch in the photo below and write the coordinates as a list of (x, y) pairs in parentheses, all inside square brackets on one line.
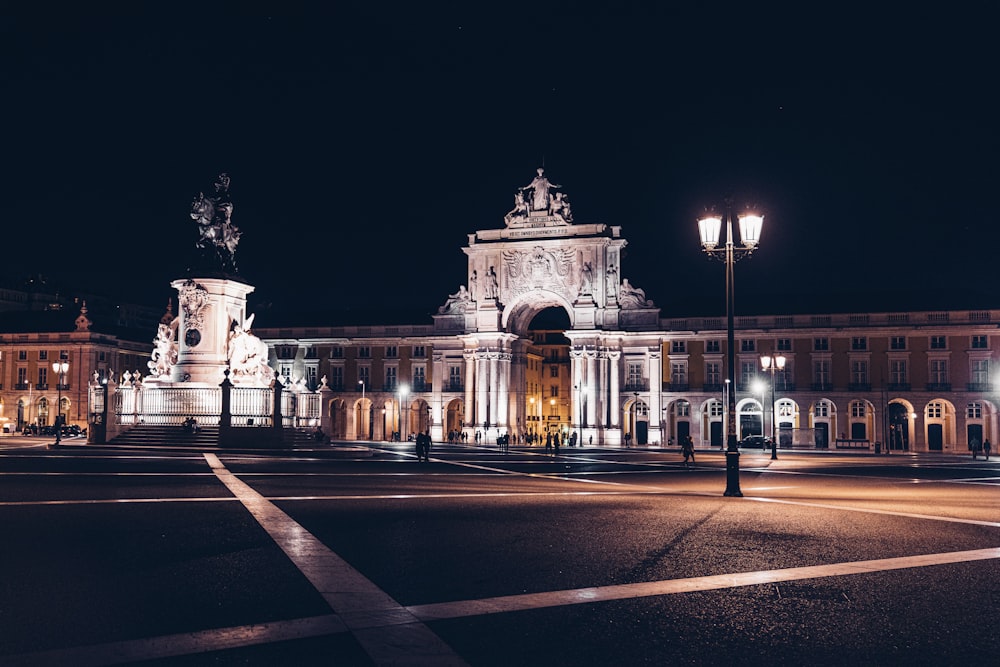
[(901, 424), (518, 315), (363, 422), (338, 418), (940, 425), (823, 420)]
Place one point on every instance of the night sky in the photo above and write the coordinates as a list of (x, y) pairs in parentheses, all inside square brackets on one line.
[(365, 142)]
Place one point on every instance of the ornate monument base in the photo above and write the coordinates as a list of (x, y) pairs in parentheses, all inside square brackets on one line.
[(210, 310)]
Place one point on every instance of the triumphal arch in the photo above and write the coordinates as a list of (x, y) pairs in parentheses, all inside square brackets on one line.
[(543, 258)]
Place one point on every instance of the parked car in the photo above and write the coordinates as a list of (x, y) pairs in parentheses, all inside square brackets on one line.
[(756, 442)]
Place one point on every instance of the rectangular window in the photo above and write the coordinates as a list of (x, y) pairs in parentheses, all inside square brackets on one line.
[(365, 375), (678, 373), (748, 371), (859, 343), (311, 376), (897, 343), (713, 373), (821, 372), (102, 356), (390, 378), (311, 353), (634, 375), (939, 371), (713, 346), (897, 372), (43, 376), (337, 378), (364, 352), (858, 409), (981, 371), (391, 352), (22, 376), (974, 411), (822, 409), (682, 409), (859, 371), (419, 352), (678, 347), (22, 355), (286, 372), (748, 345), (939, 343), (715, 408), (455, 377), (553, 371), (43, 355), (784, 345), (419, 379), (935, 410), (554, 390), (821, 344), (337, 352), (980, 342)]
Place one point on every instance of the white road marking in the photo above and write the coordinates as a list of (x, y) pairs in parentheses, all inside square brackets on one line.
[(384, 628)]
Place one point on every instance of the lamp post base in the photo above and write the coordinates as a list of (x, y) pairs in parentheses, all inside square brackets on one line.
[(733, 474)]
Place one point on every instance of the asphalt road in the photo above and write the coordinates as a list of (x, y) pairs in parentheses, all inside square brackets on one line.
[(362, 556)]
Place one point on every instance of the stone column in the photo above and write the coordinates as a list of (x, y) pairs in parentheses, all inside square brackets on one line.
[(614, 370), (503, 391), (592, 386), (655, 391), (494, 399), (470, 379), (482, 389)]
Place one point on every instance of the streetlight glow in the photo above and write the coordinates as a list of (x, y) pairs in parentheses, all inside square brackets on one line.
[(60, 368), (709, 228), (770, 364)]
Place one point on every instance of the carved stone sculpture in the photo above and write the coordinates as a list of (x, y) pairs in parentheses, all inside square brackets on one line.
[(248, 357), (540, 187), (633, 297), (164, 351), (458, 302)]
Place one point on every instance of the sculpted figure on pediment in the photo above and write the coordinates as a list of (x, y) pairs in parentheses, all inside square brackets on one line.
[(458, 302), (633, 297)]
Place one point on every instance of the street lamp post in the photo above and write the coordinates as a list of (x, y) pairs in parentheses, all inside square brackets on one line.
[(709, 228), (770, 364), (403, 391), (60, 368), (363, 420), (635, 416)]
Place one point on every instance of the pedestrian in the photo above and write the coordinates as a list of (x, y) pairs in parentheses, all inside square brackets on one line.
[(687, 449), (986, 448), (975, 446), (556, 441)]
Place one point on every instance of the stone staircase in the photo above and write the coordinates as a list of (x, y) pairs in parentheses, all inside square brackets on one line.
[(206, 437)]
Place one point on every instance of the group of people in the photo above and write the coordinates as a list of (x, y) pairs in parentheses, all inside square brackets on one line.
[(190, 424), (978, 448), (423, 441)]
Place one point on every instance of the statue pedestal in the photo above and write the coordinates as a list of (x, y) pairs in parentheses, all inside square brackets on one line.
[(488, 316), (208, 309)]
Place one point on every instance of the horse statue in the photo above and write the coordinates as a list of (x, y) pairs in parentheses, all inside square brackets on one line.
[(215, 228)]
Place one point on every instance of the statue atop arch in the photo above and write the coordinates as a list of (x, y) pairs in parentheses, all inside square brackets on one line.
[(536, 203)]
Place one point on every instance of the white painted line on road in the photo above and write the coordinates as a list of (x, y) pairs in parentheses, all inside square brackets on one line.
[(869, 510), (182, 644), (510, 603), (384, 628)]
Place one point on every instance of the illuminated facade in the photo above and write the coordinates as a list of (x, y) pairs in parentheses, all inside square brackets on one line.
[(908, 381)]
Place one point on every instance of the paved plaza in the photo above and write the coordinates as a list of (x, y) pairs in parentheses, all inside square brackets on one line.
[(361, 555)]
